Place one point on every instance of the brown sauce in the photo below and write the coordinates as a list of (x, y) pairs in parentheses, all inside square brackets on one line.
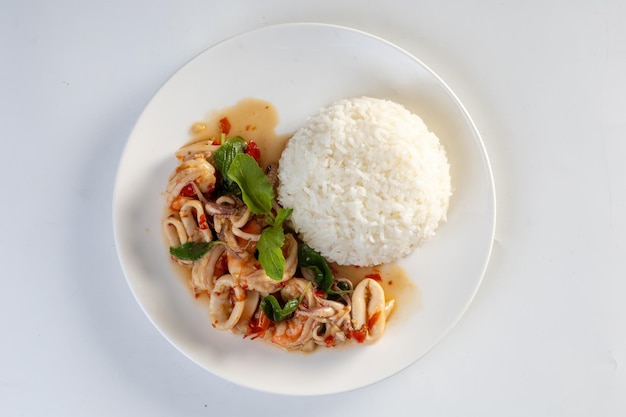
[(252, 119), (256, 120)]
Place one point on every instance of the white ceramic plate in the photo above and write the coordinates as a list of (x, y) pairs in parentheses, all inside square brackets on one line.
[(300, 68)]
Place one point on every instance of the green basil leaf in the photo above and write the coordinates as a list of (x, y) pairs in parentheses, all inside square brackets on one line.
[(273, 310), (270, 254), (256, 190), (282, 215), (229, 188), (271, 237), (310, 259), (225, 155), (192, 251)]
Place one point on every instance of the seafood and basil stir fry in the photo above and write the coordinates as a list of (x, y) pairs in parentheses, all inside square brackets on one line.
[(224, 225)]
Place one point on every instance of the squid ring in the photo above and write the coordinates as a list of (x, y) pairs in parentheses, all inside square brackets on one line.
[(227, 303)]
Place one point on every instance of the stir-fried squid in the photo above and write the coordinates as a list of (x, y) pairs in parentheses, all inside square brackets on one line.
[(242, 255)]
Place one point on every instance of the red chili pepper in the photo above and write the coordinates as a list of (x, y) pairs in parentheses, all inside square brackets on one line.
[(253, 150), (225, 125), (358, 335), (329, 341), (188, 191), (258, 326), (372, 320), (203, 223), (375, 277)]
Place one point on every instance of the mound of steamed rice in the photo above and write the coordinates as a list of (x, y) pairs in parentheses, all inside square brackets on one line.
[(367, 181)]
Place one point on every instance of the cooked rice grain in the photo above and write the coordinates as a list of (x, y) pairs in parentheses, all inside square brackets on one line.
[(367, 181)]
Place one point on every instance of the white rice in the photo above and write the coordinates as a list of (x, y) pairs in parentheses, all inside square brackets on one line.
[(367, 181)]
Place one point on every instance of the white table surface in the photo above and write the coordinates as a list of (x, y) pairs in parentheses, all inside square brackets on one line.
[(546, 85)]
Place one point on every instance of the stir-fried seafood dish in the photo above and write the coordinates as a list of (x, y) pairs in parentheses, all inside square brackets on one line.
[(224, 225)]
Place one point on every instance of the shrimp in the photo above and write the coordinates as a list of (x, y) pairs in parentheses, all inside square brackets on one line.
[(294, 288), (250, 275), (294, 334)]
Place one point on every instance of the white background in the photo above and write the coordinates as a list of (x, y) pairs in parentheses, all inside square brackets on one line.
[(546, 85)]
